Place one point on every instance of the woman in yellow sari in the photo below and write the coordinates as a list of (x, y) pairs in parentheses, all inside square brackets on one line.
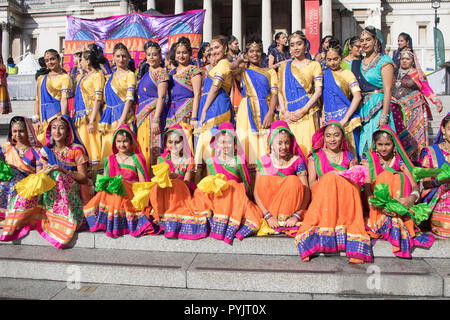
[(88, 99), (53, 92), (301, 82), (215, 104), (256, 111), (119, 99)]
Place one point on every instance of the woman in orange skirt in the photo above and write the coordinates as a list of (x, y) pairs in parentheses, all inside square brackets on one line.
[(389, 164), (281, 187), (334, 221), (174, 205)]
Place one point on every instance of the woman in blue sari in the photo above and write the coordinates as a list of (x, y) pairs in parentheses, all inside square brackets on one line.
[(257, 109), (341, 95), (119, 99), (57, 213), (215, 104), (151, 108), (301, 82), (53, 91), (375, 74)]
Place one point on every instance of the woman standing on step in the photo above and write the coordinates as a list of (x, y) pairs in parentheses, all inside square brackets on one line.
[(334, 221), (409, 105), (301, 82), (375, 74), (88, 100), (257, 109), (151, 108), (5, 102), (215, 104), (281, 188), (119, 99), (57, 213), (184, 86), (389, 164), (53, 92), (438, 192), (21, 153), (341, 95)]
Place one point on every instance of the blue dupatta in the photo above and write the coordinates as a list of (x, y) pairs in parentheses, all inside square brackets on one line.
[(261, 85), (50, 106), (80, 106), (296, 95), (113, 104)]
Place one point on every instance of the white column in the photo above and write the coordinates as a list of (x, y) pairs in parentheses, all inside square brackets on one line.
[(266, 23), (123, 7), (207, 26), (151, 4), (296, 17), (237, 21), (178, 6), (327, 18), (5, 40)]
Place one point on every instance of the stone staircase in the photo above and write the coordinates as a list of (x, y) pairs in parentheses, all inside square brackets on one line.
[(255, 268)]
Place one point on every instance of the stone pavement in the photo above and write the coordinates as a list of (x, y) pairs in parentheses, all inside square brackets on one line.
[(267, 268)]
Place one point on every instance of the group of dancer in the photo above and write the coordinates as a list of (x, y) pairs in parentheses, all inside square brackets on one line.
[(311, 153)]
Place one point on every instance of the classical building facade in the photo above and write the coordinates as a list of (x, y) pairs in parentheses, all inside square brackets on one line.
[(36, 25)]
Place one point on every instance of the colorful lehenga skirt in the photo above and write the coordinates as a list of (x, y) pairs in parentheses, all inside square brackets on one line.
[(8, 190), (334, 221), (117, 216), (233, 214), (179, 216), (440, 217), (401, 232), (56, 214), (281, 196)]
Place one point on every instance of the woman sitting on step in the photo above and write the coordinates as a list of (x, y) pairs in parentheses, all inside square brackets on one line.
[(56, 213), (334, 221), (389, 164), (281, 188), (111, 209), (21, 152)]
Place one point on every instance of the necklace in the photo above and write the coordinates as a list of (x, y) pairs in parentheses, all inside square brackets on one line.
[(387, 163), (333, 157), (123, 159), (179, 162), (444, 147), (22, 151), (229, 162), (401, 74), (61, 153), (280, 162)]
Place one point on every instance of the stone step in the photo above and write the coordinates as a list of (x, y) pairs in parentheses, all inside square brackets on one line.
[(234, 272), (268, 245)]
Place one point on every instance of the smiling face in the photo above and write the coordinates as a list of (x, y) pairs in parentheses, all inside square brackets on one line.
[(281, 144), (121, 58), (153, 57), (218, 51), (333, 137), (19, 133), (59, 131), (254, 54), (446, 131), (52, 61), (182, 55), (384, 146), (123, 143), (297, 47), (174, 144), (225, 145)]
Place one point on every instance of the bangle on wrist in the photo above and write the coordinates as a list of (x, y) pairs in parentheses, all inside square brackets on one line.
[(267, 215), (296, 215), (416, 195)]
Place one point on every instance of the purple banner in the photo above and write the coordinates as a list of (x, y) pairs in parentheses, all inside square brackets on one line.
[(133, 30)]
